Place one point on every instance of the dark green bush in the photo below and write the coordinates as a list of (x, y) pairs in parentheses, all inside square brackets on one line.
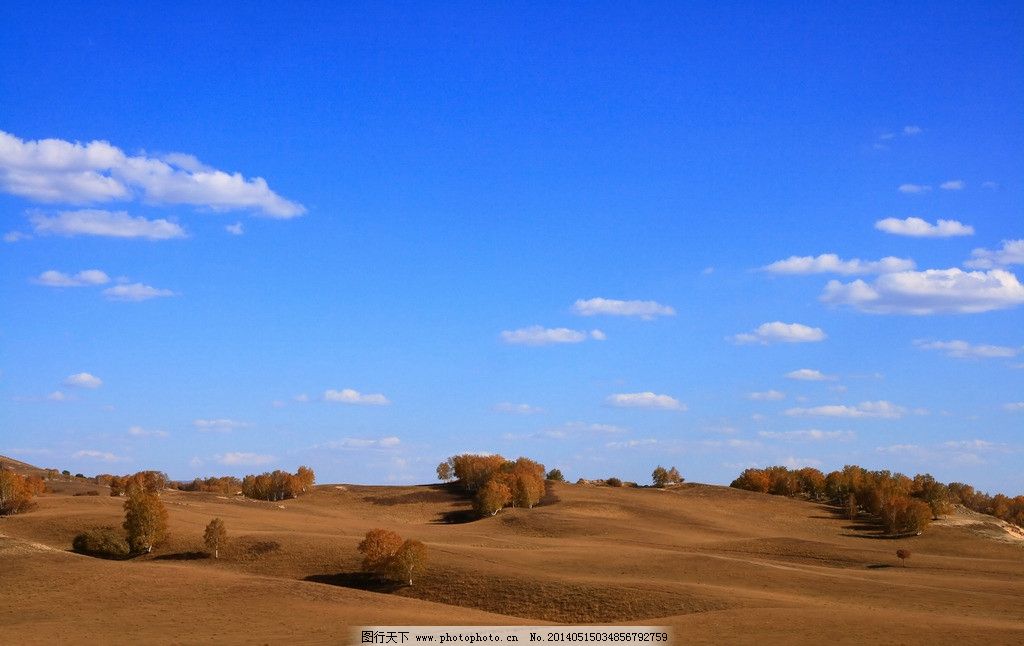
[(613, 482), (105, 542)]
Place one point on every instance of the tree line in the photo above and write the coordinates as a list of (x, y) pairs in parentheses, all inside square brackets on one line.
[(902, 504), (495, 481)]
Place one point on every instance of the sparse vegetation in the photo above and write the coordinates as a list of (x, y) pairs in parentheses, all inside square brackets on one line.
[(150, 481), (903, 505), (215, 536), (224, 485)]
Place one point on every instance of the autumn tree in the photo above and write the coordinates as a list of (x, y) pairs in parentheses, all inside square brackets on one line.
[(444, 472), (492, 497), (215, 536), (903, 555), (306, 478), (660, 476), (145, 520), (15, 492), (406, 561), (555, 475), (377, 548)]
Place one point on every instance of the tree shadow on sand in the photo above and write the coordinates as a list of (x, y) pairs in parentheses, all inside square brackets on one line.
[(182, 556), (357, 580)]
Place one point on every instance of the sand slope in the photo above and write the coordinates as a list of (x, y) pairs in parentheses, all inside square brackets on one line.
[(721, 565)]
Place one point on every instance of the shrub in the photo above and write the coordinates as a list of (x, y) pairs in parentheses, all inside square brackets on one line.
[(555, 475), (613, 482), (105, 542)]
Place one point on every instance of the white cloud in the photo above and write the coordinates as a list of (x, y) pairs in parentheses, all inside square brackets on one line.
[(301, 398), (135, 292), (899, 448), (244, 459), (537, 335), (389, 442), (102, 456), (54, 170), (138, 431), (881, 409), (517, 409), (645, 310), (807, 374), (910, 131), (109, 224), (222, 425), (913, 189), (767, 395), (1014, 407), (990, 185), (349, 396), (645, 400), (630, 444), (235, 229), (1012, 253), (779, 332), (918, 228), (83, 380), (16, 236), (809, 435), (933, 291), (964, 350), (54, 278), (976, 445), (57, 396), (953, 185), (830, 263)]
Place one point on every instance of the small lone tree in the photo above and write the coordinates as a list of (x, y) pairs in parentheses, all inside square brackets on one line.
[(903, 555), (408, 559), (145, 520), (659, 476), (215, 537), (555, 475), (377, 547), (674, 477), (444, 471)]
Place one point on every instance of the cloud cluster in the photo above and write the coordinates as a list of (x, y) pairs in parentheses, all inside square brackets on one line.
[(1011, 253), (109, 224), (809, 374), (918, 228), (933, 291), (222, 425), (135, 292), (881, 409), (83, 380), (138, 431), (645, 310), (809, 435), (350, 396), (645, 400), (779, 332), (59, 171), (963, 350), (767, 395), (537, 335), (517, 409), (86, 278), (830, 263)]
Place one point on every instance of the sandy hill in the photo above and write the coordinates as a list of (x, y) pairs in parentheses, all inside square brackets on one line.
[(720, 565)]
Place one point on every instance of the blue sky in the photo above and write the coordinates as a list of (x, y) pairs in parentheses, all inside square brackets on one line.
[(367, 237)]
